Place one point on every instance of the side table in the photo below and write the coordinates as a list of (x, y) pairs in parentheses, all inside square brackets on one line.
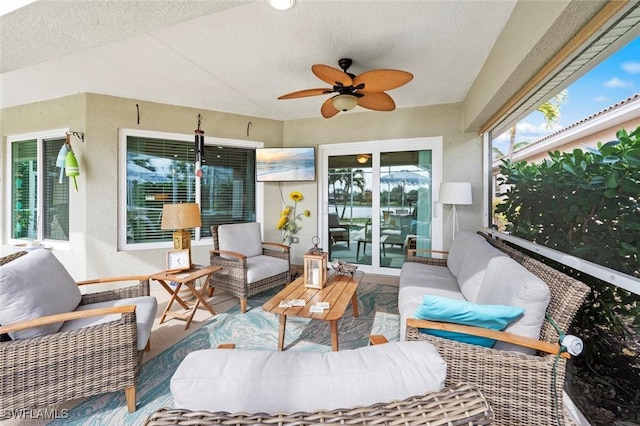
[(187, 278)]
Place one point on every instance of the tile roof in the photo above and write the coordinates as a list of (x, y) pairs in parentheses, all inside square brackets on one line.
[(584, 120)]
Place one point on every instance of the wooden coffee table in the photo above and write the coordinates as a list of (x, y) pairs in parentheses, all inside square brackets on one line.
[(338, 292)]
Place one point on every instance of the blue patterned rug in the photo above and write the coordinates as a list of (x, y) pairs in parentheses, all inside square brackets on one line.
[(256, 329)]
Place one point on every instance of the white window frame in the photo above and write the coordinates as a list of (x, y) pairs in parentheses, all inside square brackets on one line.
[(433, 143), (123, 133), (40, 138)]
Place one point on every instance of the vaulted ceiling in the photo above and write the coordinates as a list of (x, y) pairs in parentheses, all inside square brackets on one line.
[(239, 56)]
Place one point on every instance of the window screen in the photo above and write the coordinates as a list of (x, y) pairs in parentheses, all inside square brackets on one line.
[(39, 193)]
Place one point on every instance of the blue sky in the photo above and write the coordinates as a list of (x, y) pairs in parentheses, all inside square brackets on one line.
[(612, 81)]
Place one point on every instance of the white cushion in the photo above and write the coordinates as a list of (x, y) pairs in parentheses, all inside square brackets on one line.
[(33, 286), (261, 267), (244, 238), (146, 307), (459, 252), (508, 283), (473, 267), (265, 381), (416, 280)]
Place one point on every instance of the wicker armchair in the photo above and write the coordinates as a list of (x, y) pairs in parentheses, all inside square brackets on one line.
[(248, 263), (461, 404), (46, 370), (522, 389)]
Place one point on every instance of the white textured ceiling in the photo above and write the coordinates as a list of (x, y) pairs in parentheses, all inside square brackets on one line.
[(239, 56)]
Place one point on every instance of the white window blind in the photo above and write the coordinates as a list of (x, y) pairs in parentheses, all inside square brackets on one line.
[(160, 171)]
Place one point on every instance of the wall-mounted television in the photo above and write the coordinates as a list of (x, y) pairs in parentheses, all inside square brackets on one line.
[(285, 164)]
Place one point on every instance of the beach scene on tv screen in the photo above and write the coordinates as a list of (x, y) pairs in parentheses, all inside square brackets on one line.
[(285, 164)]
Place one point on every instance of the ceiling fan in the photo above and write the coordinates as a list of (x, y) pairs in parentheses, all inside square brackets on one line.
[(367, 89)]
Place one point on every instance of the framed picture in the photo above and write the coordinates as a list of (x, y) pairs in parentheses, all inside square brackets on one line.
[(285, 164), (178, 260)]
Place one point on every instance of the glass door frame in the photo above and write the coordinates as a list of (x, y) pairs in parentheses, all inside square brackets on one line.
[(376, 148)]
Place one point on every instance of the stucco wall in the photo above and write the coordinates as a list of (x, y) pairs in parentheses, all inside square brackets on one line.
[(94, 212), (462, 150)]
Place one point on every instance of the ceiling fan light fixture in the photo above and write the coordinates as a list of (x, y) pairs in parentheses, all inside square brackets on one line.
[(281, 4), (362, 158), (344, 102)]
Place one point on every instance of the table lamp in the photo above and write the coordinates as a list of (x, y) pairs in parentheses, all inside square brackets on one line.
[(455, 193), (179, 217)]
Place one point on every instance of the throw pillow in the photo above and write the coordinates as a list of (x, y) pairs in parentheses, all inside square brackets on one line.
[(443, 309), (34, 286)]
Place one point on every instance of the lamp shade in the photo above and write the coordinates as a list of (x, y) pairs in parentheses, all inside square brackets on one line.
[(457, 193), (180, 216), (344, 102)]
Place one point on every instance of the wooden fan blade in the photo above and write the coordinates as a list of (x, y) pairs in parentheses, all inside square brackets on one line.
[(327, 109), (378, 101), (305, 93), (331, 75), (382, 80)]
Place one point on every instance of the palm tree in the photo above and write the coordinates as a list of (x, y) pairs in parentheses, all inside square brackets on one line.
[(497, 152), (551, 112), (347, 179)]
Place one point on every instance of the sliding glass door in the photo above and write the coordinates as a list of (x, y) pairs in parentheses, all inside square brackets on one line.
[(377, 201)]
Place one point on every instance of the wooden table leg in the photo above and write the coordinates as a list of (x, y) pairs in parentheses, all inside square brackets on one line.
[(283, 323), (170, 291), (199, 300), (174, 297), (354, 304), (334, 335)]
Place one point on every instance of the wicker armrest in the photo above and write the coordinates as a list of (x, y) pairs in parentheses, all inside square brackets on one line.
[(282, 247), (229, 253), (425, 256), (67, 316), (502, 336), (139, 289), (461, 404)]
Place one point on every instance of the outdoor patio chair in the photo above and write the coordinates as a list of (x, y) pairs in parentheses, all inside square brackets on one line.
[(338, 232), (60, 344), (249, 265)]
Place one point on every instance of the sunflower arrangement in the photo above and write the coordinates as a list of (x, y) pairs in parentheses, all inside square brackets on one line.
[(289, 217)]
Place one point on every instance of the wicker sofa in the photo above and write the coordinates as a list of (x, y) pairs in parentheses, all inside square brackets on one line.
[(461, 404), (521, 388), (98, 347)]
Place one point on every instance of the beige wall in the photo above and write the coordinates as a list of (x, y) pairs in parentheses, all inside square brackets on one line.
[(94, 212), (94, 208), (462, 151)]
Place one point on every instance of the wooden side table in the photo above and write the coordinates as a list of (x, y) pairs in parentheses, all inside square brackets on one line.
[(187, 278)]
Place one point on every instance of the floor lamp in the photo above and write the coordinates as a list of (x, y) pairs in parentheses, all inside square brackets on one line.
[(456, 194)]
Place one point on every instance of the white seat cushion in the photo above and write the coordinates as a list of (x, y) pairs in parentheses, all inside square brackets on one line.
[(33, 286), (146, 307), (271, 382), (506, 282), (244, 238), (418, 279), (261, 267)]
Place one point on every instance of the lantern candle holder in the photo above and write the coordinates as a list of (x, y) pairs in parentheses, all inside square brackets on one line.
[(315, 269)]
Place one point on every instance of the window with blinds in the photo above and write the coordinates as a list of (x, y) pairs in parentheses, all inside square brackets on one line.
[(39, 190), (161, 171)]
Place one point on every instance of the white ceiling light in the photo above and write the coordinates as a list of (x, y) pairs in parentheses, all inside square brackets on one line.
[(8, 6), (281, 4), (362, 158), (344, 102)]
